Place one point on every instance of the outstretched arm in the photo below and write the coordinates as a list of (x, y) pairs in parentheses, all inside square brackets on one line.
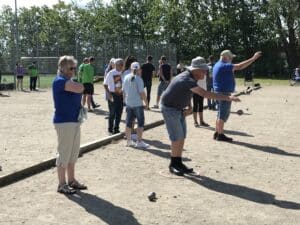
[(246, 63)]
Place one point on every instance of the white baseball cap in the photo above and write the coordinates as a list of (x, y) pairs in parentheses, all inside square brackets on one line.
[(135, 66)]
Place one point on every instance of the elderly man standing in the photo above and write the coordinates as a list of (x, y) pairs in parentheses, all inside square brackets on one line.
[(113, 87), (224, 83), (176, 105)]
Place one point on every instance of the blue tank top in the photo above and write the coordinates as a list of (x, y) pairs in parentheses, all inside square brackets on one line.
[(67, 104)]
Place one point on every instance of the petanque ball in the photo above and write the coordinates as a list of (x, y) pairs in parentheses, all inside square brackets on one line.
[(152, 196), (240, 112)]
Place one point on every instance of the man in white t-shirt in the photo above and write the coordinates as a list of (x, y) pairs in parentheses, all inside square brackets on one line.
[(113, 87)]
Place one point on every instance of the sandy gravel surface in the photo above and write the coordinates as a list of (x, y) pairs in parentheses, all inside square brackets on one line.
[(255, 180)]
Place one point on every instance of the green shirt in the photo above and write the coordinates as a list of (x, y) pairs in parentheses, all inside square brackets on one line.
[(80, 70), (32, 71), (88, 73)]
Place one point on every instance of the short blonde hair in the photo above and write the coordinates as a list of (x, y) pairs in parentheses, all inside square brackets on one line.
[(65, 61)]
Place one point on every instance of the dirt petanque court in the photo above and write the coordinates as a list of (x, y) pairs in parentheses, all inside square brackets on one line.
[(255, 180)]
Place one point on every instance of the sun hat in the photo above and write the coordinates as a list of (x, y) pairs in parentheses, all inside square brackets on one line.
[(198, 63)]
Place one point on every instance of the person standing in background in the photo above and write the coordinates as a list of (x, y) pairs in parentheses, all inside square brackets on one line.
[(148, 71), (165, 76), (19, 71), (33, 74)]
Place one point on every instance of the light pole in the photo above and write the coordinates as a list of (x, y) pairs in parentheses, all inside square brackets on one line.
[(16, 36)]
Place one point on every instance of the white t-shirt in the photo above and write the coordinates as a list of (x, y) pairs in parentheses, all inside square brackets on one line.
[(113, 81), (202, 83)]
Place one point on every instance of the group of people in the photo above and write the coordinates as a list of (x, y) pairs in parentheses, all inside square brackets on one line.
[(124, 85), (32, 72)]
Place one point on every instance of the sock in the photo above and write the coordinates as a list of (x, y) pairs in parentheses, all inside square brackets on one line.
[(176, 161)]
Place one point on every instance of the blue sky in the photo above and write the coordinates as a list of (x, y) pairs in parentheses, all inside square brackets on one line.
[(29, 3)]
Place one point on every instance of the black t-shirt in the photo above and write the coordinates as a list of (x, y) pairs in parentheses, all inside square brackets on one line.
[(147, 71), (178, 94), (166, 71)]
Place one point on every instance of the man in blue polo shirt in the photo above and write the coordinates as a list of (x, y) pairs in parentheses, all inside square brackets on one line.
[(224, 83)]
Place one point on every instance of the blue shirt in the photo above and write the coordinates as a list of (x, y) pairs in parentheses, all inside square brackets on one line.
[(133, 86), (67, 104), (223, 78)]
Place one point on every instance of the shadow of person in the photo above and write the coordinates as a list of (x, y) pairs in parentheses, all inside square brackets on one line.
[(269, 149), (101, 112), (158, 144), (242, 192), (230, 132), (104, 210), (166, 155)]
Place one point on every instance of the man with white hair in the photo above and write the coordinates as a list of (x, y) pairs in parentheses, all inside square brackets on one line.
[(176, 105), (224, 83), (113, 87)]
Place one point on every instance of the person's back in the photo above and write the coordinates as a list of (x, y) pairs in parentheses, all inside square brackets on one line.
[(178, 94), (133, 86), (166, 71), (223, 78), (88, 72), (32, 70), (147, 72)]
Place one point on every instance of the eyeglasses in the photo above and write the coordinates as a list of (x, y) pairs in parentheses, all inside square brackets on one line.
[(72, 68)]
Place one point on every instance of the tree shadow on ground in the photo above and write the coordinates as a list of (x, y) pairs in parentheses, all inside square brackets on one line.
[(269, 149), (104, 210), (230, 132), (242, 192)]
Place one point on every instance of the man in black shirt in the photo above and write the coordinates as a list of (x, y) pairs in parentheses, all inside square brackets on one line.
[(165, 76), (147, 74)]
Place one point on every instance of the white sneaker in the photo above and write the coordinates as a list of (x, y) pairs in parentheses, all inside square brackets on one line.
[(134, 137), (130, 143), (141, 144)]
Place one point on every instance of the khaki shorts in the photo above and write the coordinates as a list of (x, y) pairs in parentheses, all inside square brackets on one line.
[(68, 136)]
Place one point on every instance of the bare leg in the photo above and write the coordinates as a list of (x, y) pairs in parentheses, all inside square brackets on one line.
[(176, 148), (71, 172), (61, 172), (195, 117), (220, 126), (89, 99), (128, 133), (139, 132), (83, 100), (201, 117), (157, 100)]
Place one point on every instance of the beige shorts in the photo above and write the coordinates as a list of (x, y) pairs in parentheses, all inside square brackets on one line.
[(68, 136)]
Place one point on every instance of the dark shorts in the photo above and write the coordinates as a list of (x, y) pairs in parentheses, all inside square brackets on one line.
[(135, 112), (162, 87), (88, 89), (224, 108), (20, 77)]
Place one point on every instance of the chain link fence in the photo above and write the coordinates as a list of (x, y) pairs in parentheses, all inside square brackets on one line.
[(46, 54)]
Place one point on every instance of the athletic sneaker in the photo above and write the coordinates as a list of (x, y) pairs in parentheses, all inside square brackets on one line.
[(155, 107), (223, 137), (130, 143), (141, 144)]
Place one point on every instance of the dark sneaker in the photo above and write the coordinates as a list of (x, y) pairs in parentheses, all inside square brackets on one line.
[(96, 106), (216, 135), (116, 131), (185, 169), (176, 170), (196, 124), (203, 124), (223, 137)]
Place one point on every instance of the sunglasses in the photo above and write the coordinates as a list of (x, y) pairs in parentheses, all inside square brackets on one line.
[(72, 68)]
